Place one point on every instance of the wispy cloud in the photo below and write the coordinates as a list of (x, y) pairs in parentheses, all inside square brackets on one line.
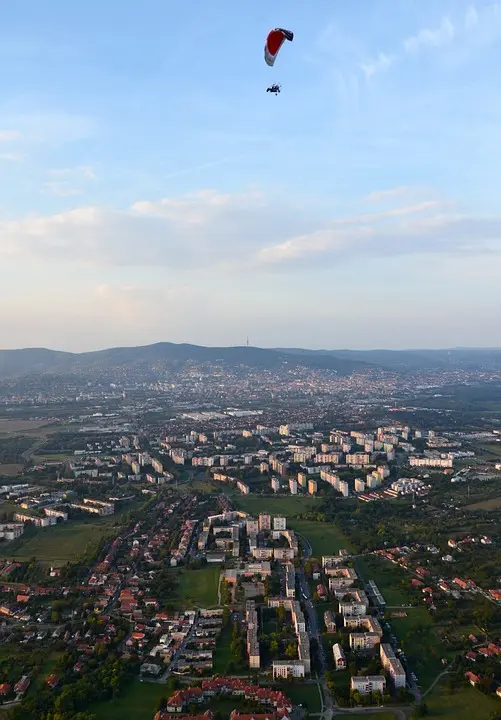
[(471, 18), (11, 157), (381, 63), (431, 37), (81, 172), (380, 195), (203, 166), (211, 229), (9, 135), (68, 182)]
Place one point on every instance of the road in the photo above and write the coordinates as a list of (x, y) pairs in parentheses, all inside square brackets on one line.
[(330, 709), (314, 632)]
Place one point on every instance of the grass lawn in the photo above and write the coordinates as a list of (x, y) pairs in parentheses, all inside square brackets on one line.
[(40, 458), (369, 716), (223, 655), (417, 637), (464, 704), (138, 702), (62, 543), (388, 578), (289, 505), (198, 588), (325, 538), (47, 668), (306, 695)]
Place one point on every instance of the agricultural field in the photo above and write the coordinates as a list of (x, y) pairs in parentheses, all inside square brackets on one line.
[(289, 505), (9, 426), (11, 469), (488, 505), (199, 588), (325, 538)]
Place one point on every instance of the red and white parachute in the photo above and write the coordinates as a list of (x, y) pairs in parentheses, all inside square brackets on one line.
[(274, 42)]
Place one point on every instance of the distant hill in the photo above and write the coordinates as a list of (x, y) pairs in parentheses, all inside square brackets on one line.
[(481, 359), (162, 356), (159, 358)]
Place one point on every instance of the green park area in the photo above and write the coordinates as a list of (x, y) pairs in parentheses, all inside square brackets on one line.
[(369, 716), (138, 701), (290, 505), (465, 703), (391, 580), (198, 588), (325, 538), (62, 543), (306, 695)]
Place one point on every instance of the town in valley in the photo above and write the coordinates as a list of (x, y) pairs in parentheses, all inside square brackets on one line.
[(250, 544)]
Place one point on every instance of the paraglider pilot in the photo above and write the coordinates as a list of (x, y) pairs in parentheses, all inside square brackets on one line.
[(274, 89)]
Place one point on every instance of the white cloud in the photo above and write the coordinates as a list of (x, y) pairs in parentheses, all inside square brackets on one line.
[(81, 172), (68, 182), (381, 63), (12, 157), (60, 189), (378, 236), (471, 18), (8, 135), (238, 231), (54, 128), (380, 195), (438, 37)]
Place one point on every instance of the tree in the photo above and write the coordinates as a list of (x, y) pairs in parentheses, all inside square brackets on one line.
[(290, 651)]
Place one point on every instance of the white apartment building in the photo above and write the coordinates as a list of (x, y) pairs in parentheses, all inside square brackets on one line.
[(11, 531), (367, 684), (284, 669), (279, 523), (364, 641), (339, 657), (392, 665)]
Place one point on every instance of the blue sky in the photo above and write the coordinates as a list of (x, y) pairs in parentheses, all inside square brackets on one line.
[(152, 190)]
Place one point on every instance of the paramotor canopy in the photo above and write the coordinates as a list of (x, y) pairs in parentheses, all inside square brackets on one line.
[(274, 42)]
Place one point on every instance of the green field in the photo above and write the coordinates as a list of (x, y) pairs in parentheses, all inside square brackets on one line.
[(223, 655), (289, 505), (492, 504), (369, 716), (138, 702), (306, 695), (198, 588), (62, 543), (389, 578), (465, 703), (325, 538)]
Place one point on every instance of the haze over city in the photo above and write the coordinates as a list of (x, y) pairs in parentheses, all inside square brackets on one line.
[(152, 189)]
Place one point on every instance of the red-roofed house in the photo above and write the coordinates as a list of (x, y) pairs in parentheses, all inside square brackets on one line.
[(52, 681), (472, 678)]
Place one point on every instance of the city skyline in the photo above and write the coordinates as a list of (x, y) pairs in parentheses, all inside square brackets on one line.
[(152, 190)]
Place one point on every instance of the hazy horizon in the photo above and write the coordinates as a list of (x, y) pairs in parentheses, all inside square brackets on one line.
[(152, 188), (266, 347)]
